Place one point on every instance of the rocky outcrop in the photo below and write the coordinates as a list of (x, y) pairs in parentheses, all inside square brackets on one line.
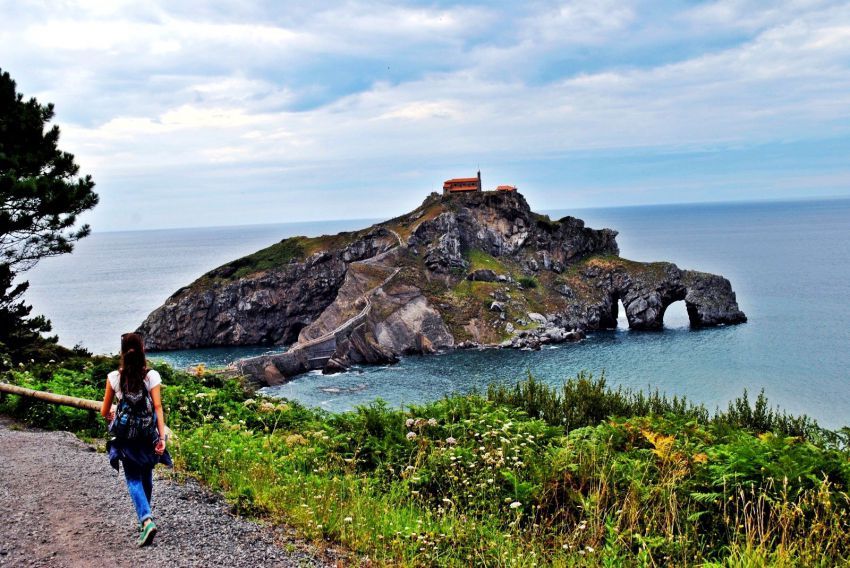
[(461, 271), (502, 224), (646, 290), (482, 275), (372, 321), (269, 307)]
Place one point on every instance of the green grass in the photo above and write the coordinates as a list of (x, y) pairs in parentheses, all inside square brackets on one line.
[(480, 260), (526, 475), (528, 282), (275, 256)]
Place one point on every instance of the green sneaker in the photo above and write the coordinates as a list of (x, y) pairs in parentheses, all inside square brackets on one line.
[(148, 532)]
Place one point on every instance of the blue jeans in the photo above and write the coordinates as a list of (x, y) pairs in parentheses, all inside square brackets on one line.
[(140, 486)]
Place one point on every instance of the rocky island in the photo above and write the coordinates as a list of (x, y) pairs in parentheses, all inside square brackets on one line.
[(462, 270)]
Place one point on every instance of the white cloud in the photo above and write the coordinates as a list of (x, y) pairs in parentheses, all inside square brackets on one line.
[(144, 91)]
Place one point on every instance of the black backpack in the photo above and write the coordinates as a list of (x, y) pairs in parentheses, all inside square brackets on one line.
[(134, 418)]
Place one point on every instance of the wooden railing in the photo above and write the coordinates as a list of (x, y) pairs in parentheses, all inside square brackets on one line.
[(50, 397)]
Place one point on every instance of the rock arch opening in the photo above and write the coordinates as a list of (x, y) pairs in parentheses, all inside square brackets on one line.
[(676, 315), (291, 334), (622, 321)]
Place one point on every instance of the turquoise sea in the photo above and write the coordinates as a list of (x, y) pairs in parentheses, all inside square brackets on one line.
[(789, 263)]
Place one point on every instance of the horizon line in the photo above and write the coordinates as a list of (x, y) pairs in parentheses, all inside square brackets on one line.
[(595, 208)]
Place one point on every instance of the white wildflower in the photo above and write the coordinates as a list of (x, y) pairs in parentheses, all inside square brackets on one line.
[(409, 422), (516, 505), (411, 435), (451, 441), (432, 422), (347, 520)]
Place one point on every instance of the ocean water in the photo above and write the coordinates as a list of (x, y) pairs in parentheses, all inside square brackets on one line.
[(788, 262)]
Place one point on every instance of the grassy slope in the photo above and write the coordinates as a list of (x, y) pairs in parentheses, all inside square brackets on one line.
[(527, 475), (300, 248), (276, 256)]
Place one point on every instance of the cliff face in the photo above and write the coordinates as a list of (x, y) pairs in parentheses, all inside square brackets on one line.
[(460, 270), (502, 225), (264, 307)]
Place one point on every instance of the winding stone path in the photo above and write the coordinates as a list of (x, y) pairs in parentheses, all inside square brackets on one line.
[(315, 353)]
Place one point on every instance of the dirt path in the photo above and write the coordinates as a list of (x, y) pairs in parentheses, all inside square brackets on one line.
[(61, 504)]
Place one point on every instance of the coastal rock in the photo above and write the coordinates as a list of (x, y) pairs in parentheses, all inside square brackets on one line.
[(424, 346), (362, 348), (710, 300), (646, 290), (269, 307), (403, 317), (404, 286), (502, 224), (442, 240), (336, 365), (537, 318), (483, 275)]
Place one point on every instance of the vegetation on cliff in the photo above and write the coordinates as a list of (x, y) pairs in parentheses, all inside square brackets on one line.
[(583, 475)]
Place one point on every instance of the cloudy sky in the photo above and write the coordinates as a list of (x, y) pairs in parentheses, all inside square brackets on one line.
[(227, 113)]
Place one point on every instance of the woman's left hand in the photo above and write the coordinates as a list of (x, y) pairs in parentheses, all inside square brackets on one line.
[(160, 447)]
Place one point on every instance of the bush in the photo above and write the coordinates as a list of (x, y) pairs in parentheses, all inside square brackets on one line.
[(526, 475), (528, 282)]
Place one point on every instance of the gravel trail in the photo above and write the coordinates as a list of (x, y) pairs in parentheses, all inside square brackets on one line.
[(62, 505)]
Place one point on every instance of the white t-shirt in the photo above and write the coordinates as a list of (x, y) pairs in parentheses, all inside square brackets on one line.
[(152, 379)]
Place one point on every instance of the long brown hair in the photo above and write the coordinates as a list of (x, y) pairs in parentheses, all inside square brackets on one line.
[(133, 363)]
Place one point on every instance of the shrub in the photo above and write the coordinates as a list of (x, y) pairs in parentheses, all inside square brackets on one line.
[(526, 475), (528, 282)]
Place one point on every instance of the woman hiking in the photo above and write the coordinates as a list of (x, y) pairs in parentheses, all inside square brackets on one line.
[(137, 426)]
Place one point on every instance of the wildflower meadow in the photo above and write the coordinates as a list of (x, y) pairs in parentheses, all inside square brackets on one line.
[(523, 475)]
